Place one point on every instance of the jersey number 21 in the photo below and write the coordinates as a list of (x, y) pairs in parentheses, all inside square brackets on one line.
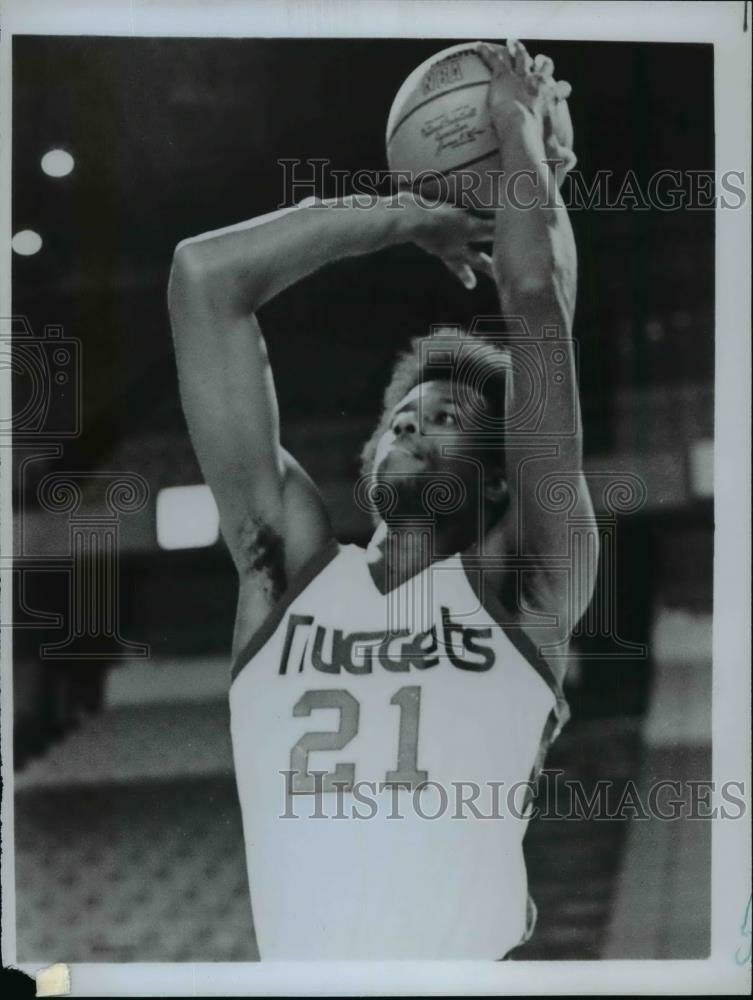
[(406, 774)]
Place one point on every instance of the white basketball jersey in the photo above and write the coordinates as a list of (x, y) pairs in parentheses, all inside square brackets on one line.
[(362, 724)]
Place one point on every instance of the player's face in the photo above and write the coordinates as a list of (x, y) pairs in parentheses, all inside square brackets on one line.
[(425, 432)]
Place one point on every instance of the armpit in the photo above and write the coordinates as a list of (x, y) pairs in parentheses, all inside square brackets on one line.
[(261, 557)]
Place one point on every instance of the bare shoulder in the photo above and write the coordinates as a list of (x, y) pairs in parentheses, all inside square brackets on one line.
[(269, 557)]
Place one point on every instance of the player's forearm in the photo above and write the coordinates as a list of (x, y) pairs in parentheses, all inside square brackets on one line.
[(535, 268), (534, 248), (245, 265)]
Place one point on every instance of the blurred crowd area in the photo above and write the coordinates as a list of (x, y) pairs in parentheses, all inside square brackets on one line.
[(124, 718)]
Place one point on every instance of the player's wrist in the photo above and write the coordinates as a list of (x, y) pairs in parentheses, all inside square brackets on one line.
[(522, 145), (370, 225), (516, 120), (405, 218)]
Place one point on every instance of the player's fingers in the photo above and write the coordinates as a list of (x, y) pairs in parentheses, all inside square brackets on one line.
[(562, 90), (462, 271), (557, 149), (521, 61), (561, 160), (568, 157), (487, 54), (481, 262), (495, 57), (490, 49), (543, 65)]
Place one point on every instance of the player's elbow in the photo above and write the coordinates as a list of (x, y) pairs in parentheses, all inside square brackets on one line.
[(203, 273), (197, 280), (193, 262), (186, 273)]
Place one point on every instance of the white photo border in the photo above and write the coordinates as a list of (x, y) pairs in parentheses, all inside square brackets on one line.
[(718, 23)]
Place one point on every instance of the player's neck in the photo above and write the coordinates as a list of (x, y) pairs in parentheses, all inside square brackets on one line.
[(403, 549)]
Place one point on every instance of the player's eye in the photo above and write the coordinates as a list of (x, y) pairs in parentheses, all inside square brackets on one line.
[(446, 419)]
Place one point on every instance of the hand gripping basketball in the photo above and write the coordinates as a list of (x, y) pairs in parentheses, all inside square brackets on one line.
[(520, 82)]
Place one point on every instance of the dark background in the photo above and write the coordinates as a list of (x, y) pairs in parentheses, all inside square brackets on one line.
[(173, 137)]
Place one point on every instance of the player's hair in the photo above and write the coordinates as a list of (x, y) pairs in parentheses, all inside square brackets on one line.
[(449, 354)]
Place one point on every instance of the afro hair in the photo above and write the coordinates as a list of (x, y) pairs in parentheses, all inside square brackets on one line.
[(450, 354)]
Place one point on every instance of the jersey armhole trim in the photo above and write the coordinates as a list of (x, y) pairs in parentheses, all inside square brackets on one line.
[(310, 569), (560, 713), (524, 645)]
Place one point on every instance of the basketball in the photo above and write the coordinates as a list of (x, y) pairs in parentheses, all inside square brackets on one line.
[(439, 124)]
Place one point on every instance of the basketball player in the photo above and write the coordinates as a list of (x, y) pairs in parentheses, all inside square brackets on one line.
[(368, 684)]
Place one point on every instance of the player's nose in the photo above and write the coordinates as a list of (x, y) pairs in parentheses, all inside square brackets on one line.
[(404, 423)]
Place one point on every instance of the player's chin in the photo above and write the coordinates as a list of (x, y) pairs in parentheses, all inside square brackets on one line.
[(400, 460), (399, 482)]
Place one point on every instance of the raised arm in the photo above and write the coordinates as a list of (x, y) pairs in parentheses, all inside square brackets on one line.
[(271, 514), (535, 269)]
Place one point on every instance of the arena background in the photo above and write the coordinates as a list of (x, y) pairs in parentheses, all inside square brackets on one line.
[(128, 841)]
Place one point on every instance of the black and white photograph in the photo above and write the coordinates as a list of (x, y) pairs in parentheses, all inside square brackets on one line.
[(375, 525)]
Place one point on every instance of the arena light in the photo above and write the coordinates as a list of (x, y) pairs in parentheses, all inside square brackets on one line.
[(701, 467), (187, 518), (26, 242), (57, 163)]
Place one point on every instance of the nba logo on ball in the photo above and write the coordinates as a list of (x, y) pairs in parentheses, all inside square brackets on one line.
[(439, 126), (442, 74)]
